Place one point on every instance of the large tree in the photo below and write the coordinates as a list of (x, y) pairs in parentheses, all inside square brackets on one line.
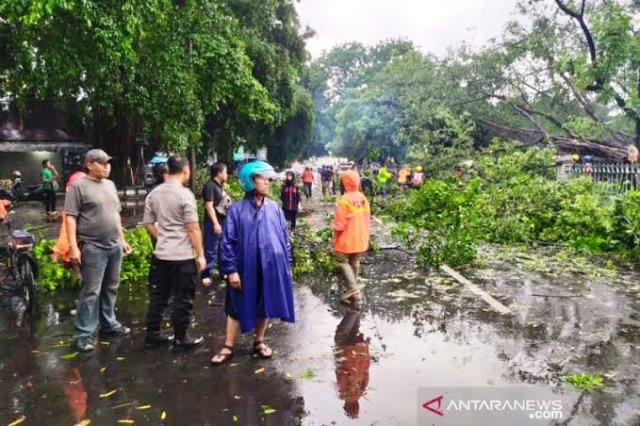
[(158, 67)]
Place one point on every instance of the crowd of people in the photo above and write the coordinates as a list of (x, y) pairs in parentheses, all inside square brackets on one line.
[(244, 242), (374, 180)]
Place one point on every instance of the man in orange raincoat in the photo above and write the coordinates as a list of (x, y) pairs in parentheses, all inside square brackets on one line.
[(351, 228)]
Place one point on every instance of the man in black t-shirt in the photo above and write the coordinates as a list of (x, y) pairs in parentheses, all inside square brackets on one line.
[(216, 203)]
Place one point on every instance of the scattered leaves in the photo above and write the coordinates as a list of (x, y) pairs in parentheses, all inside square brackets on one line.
[(108, 394)]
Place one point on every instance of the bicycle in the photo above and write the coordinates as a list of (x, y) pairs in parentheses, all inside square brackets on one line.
[(20, 262)]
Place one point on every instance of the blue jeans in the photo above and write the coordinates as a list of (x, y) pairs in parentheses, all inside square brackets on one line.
[(100, 271), (211, 247)]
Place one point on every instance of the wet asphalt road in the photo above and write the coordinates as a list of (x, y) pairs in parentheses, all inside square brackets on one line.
[(338, 365)]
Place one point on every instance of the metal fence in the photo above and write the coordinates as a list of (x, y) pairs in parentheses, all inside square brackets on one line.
[(615, 178)]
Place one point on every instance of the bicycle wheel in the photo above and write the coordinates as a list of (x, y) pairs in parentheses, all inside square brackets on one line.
[(28, 283)]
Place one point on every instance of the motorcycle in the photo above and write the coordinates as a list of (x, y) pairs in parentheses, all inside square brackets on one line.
[(22, 192)]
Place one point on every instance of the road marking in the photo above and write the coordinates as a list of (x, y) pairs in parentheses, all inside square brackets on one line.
[(475, 289)]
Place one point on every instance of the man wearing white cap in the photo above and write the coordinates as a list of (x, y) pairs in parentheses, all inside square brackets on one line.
[(97, 243)]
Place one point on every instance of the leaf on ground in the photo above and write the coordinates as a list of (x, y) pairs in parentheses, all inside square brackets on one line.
[(72, 355), (235, 419), (270, 410), (105, 343), (288, 375), (85, 422), (126, 421), (126, 404), (259, 370), (163, 415), (120, 358), (108, 394), (308, 374), (237, 397), (143, 407), (233, 365), (17, 421), (103, 369)]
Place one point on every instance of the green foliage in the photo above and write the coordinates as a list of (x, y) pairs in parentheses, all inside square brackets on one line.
[(234, 189), (182, 72), (626, 227), (441, 221), (584, 381), (312, 252), (509, 200), (51, 275), (135, 267)]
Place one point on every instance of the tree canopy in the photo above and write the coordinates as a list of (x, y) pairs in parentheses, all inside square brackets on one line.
[(563, 74), (182, 72)]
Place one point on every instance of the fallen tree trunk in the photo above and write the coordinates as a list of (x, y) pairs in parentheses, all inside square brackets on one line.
[(601, 150)]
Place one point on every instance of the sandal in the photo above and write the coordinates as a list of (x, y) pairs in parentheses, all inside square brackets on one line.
[(263, 352), (224, 358)]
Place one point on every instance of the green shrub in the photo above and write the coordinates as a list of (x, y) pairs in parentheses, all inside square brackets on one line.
[(513, 198), (312, 251), (55, 275)]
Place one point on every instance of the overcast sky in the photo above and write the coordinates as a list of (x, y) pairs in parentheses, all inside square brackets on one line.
[(433, 25)]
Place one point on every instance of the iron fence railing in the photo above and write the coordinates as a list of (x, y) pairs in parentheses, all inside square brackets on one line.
[(616, 178)]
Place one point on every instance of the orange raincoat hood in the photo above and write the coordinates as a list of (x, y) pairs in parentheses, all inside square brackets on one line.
[(351, 181)]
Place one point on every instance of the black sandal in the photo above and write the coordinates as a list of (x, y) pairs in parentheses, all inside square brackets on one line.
[(225, 357), (260, 352)]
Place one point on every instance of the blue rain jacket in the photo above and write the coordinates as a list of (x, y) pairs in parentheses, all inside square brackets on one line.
[(255, 244)]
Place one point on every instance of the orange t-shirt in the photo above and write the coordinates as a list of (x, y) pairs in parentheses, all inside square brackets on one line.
[(307, 176)]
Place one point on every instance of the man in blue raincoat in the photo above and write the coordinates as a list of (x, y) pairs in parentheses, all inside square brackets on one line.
[(255, 254)]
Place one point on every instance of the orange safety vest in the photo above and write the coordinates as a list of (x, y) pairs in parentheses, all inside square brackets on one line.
[(352, 220)]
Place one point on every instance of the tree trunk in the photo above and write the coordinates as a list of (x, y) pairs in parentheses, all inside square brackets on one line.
[(637, 138), (117, 137), (194, 168)]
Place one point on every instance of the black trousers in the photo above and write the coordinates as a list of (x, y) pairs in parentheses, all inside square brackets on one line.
[(49, 196), (307, 189), (291, 216), (176, 280)]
